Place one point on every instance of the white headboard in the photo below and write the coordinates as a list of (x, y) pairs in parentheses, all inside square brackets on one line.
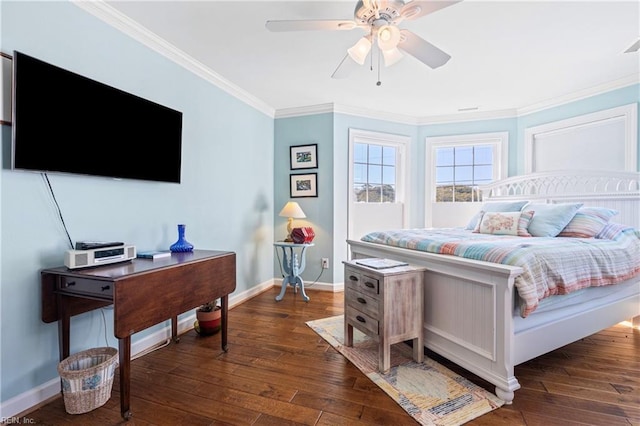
[(613, 189)]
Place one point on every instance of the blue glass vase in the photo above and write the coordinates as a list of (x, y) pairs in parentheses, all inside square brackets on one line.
[(182, 245)]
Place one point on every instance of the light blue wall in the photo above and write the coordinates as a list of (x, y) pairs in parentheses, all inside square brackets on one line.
[(305, 130), (225, 198)]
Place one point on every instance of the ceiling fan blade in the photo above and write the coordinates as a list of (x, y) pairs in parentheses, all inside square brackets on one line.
[(422, 49), (347, 65), (416, 9), (311, 25)]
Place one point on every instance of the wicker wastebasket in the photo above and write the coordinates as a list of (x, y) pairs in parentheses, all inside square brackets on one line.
[(87, 378)]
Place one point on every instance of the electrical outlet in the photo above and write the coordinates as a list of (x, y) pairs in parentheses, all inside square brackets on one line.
[(325, 263)]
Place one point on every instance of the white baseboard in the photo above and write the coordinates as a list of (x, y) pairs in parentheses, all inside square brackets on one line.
[(12, 409)]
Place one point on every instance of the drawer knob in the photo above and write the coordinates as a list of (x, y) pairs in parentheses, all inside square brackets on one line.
[(369, 284), (361, 319), (70, 283), (106, 287), (361, 300), (353, 278)]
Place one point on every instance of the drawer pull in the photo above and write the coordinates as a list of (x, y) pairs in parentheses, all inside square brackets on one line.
[(353, 278), (361, 300), (369, 284), (106, 287), (361, 319), (70, 283)]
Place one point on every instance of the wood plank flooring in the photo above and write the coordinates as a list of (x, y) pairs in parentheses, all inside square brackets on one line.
[(279, 372)]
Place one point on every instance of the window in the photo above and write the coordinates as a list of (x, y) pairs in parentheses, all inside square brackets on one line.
[(374, 173), (461, 169), (462, 163)]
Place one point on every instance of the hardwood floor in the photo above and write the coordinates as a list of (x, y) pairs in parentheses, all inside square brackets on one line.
[(279, 372)]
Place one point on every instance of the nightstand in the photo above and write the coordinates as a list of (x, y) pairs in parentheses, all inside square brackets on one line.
[(386, 305), (293, 267)]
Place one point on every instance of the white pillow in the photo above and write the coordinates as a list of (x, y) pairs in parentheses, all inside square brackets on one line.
[(505, 223), (497, 206)]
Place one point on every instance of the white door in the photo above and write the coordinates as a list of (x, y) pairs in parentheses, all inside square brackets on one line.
[(377, 182)]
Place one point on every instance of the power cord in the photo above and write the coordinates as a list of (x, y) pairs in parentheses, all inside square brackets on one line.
[(53, 195)]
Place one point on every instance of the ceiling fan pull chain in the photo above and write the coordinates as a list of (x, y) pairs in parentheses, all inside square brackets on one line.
[(378, 83)]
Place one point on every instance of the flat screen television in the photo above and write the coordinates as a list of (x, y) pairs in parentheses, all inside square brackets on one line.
[(64, 122)]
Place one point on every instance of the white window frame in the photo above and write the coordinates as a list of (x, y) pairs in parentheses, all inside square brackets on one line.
[(402, 165), (499, 141)]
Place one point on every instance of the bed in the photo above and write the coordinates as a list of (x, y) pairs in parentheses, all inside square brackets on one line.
[(473, 310)]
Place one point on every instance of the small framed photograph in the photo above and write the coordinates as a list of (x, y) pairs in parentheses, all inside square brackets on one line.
[(304, 157), (304, 185)]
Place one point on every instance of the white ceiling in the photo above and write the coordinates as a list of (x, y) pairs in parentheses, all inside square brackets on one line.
[(506, 55)]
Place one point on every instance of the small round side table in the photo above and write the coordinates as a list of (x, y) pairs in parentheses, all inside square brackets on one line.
[(293, 267)]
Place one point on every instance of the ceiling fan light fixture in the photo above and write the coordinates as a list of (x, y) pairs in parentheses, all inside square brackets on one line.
[(388, 37), (360, 50), (392, 56)]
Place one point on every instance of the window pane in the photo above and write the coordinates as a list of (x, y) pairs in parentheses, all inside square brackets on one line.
[(375, 154), (444, 157), (483, 155), (464, 174), (388, 174), (375, 174), (444, 193), (464, 155), (389, 194), (388, 156), (360, 173), (360, 193), (444, 175), (464, 193), (483, 174), (374, 193), (359, 153)]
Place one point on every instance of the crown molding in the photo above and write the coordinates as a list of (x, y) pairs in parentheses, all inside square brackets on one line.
[(581, 94), (306, 110), (468, 116), (126, 25)]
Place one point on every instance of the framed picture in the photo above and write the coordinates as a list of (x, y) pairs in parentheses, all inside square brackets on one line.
[(304, 185), (304, 156)]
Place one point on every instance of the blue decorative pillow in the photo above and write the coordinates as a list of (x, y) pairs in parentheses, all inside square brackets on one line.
[(504, 206), (550, 219)]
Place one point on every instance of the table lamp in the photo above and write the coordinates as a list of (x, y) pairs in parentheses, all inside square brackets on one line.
[(291, 210)]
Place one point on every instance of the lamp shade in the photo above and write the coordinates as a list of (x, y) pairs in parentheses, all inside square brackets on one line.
[(388, 37), (360, 50), (392, 56), (292, 209)]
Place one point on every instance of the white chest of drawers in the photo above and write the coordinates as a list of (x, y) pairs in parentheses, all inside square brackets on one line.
[(385, 304)]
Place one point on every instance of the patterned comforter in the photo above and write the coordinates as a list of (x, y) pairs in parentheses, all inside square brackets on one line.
[(551, 265)]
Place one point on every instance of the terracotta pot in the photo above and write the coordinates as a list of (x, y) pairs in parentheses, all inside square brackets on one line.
[(208, 322)]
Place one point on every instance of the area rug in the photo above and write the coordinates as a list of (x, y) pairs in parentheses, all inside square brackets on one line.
[(431, 393)]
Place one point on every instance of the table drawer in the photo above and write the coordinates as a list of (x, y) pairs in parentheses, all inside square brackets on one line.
[(71, 285), (361, 301), (364, 283), (361, 321)]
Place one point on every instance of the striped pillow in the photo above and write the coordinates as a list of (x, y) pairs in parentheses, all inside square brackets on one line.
[(588, 222)]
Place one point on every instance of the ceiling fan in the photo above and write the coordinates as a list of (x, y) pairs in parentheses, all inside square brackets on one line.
[(379, 19)]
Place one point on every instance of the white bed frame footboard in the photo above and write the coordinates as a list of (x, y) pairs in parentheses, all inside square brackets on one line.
[(469, 305)]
